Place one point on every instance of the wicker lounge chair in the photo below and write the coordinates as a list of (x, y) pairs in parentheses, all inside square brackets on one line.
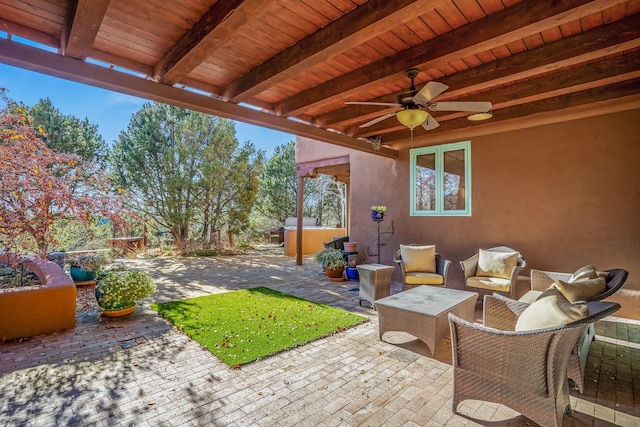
[(484, 284), (541, 280), (527, 370), (411, 279)]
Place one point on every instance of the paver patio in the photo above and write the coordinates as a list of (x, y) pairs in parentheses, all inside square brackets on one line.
[(142, 371)]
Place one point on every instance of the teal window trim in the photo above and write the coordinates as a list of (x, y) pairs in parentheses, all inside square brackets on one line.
[(439, 152)]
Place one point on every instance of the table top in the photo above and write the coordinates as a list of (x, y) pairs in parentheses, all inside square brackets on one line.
[(425, 299), (375, 266)]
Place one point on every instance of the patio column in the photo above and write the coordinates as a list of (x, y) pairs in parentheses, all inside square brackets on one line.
[(300, 212)]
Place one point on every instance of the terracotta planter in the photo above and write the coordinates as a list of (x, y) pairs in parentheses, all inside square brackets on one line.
[(117, 312), (350, 246), (335, 275)]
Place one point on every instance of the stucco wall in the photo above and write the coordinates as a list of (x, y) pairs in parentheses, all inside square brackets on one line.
[(565, 195)]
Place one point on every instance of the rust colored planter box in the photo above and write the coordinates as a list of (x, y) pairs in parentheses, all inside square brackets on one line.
[(38, 310)]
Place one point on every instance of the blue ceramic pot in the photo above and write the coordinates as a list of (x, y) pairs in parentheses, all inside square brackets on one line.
[(80, 275), (377, 216)]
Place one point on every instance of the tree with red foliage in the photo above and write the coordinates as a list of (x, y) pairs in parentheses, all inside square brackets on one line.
[(40, 186)]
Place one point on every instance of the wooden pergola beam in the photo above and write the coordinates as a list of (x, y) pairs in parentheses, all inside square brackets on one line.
[(580, 48), (586, 103), (84, 18), (34, 59), (219, 24), (498, 29), (353, 29), (564, 82)]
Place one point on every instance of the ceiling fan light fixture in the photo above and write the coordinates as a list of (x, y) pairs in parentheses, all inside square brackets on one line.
[(412, 117), (480, 116)]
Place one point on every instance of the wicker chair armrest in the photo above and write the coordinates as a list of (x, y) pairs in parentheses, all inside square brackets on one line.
[(397, 258), (522, 263), (541, 280), (500, 312), (469, 266), (442, 267)]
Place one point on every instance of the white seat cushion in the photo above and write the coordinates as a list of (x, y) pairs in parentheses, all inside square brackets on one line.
[(530, 297), (419, 278), (491, 283)]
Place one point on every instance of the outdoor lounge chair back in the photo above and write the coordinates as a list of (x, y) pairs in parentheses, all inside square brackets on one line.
[(526, 371), (488, 285), (541, 280), (412, 279)]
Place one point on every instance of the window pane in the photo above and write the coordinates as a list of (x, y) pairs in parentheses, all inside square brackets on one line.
[(454, 191), (425, 182)]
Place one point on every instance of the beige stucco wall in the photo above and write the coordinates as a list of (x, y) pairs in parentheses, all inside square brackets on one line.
[(565, 195)]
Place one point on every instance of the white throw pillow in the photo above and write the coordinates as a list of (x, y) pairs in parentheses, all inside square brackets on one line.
[(582, 290), (584, 273), (550, 309), (496, 264), (418, 258)]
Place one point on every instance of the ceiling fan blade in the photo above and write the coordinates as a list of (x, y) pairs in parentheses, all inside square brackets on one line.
[(429, 91), (480, 107), (377, 120), (384, 104), (430, 123)]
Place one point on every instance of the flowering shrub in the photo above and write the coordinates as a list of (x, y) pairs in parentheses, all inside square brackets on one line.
[(41, 186), (379, 208), (123, 288)]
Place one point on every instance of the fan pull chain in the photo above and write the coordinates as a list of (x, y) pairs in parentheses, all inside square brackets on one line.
[(411, 143)]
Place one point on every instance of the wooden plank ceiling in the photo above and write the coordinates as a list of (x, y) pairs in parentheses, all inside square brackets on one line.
[(291, 64)]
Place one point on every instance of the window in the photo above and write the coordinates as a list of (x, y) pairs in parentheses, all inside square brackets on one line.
[(441, 180)]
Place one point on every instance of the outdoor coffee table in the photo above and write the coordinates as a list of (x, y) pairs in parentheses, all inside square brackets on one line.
[(422, 312)]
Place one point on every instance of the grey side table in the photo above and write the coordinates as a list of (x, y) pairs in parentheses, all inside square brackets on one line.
[(375, 281)]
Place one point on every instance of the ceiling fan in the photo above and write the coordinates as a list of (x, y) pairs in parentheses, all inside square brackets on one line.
[(412, 113)]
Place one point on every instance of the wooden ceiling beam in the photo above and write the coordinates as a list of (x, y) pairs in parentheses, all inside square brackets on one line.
[(498, 29), (592, 75), (554, 107), (84, 18), (216, 27), (41, 61), (353, 29), (19, 30), (610, 106), (577, 49)]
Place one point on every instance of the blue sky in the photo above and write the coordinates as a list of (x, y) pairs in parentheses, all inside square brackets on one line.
[(111, 111)]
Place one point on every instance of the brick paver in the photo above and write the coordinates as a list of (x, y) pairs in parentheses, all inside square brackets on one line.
[(141, 371)]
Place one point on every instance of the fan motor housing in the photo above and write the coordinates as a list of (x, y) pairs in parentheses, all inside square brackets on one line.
[(407, 97)]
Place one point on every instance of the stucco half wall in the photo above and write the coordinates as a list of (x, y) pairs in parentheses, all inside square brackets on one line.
[(564, 194)]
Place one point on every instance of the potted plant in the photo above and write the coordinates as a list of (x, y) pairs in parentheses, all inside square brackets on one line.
[(118, 290), (333, 262), (83, 268), (377, 212)]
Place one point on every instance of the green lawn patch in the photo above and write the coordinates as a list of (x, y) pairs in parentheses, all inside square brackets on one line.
[(242, 326)]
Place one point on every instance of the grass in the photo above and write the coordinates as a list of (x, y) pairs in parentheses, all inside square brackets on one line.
[(242, 326)]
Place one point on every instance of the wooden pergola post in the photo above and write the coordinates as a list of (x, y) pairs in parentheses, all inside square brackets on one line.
[(299, 222)]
